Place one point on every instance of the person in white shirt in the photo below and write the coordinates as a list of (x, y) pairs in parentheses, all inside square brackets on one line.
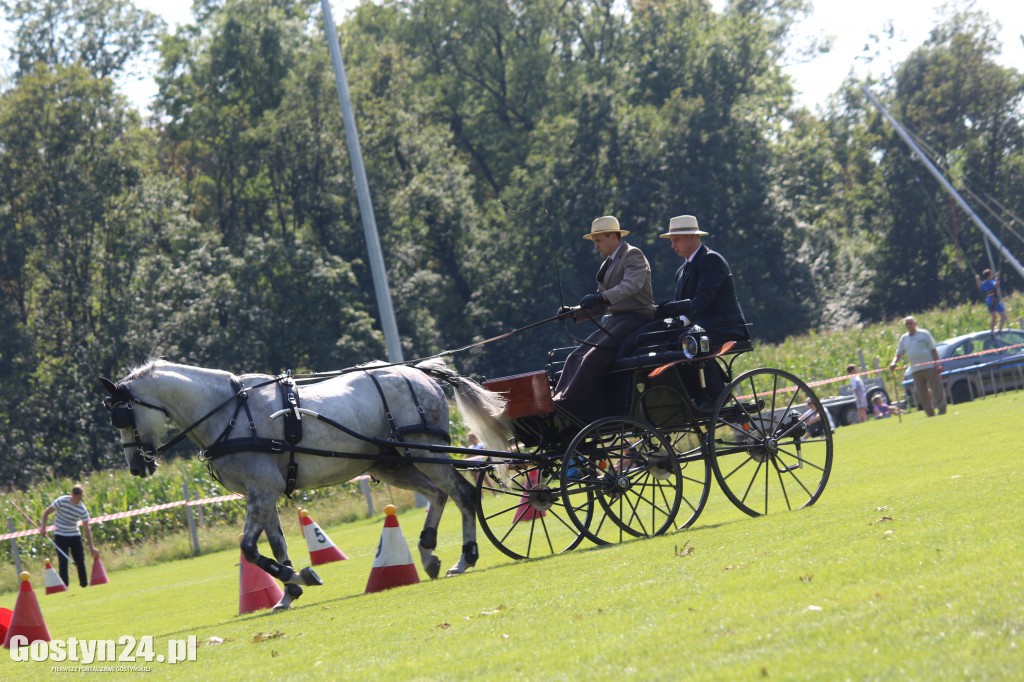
[(925, 367), (66, 536)]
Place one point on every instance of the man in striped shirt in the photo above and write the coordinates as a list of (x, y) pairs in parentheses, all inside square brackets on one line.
[(66, 536)]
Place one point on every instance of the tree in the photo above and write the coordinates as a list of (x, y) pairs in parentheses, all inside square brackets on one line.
[(105, 36), (965, 108)]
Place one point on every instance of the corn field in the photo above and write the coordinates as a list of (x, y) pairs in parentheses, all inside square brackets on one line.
[(815, 356)]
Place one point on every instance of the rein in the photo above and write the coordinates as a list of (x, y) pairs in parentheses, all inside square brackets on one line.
[(560, 315)]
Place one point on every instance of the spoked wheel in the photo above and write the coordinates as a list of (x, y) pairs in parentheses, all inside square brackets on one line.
[(519, 507), (695, 472), (663, 407), (625, 475), (759, 446)]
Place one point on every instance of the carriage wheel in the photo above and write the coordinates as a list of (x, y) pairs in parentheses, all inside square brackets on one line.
[(759, 446), (519, 507), (662, 406), (627, 473)]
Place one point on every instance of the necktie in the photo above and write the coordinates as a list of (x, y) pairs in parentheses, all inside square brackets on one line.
[(604, 269)]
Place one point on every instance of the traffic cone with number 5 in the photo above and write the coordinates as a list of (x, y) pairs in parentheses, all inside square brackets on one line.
[(321, 549)]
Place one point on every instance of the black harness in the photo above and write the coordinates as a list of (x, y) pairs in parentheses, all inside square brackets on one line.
[(121, 405)]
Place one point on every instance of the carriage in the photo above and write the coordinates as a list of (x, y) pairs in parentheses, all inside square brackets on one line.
[(641, 470), (647, 466)]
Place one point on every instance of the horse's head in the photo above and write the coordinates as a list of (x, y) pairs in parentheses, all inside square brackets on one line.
[(139, 427)]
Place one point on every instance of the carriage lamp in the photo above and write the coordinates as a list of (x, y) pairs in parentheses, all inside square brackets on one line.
[(695, 342)]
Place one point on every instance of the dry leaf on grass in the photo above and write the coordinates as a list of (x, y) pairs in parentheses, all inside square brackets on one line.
[(263, 636)]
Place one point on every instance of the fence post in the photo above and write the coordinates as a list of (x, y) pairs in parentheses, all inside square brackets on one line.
[(860, 357), (200, 518), (364, 485), (14, 547), (191, 520)]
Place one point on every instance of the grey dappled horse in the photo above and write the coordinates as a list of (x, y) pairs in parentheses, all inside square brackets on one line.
[(234, 418)]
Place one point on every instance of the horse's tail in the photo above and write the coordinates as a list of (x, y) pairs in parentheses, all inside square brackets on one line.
[(483, 410)]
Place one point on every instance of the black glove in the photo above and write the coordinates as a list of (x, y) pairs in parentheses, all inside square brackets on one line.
[(669, 309), (591, 301)]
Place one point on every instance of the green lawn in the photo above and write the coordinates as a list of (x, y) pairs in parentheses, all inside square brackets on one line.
[(909, 567)]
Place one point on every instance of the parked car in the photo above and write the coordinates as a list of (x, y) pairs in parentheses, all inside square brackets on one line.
[(968, 371), (844, 406)]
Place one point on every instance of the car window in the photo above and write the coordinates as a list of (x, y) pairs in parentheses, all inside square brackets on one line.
[(964, 348), (1009, 339)]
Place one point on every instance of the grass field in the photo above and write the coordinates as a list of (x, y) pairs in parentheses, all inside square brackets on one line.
[(909, 567)]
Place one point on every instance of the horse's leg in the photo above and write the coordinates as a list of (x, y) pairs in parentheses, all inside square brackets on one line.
[(409, 478), (462, 492), (261, 516)]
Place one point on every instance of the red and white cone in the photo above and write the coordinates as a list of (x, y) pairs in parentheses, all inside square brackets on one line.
[(393, 565), (99, 574), (526, 511), (256, 589), (27, 619), (52, 580), (321, 549)]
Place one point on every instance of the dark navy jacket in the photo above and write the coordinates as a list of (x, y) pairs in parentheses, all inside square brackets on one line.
[(705, 293)]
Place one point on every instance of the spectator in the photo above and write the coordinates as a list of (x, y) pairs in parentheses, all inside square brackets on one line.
[(883, 410), (474, 442), (925, 367), (66, 536), (989, 285), (814, 423), (860, 394)]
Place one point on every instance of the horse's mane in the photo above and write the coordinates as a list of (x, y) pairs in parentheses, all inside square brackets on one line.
[(144, 369)]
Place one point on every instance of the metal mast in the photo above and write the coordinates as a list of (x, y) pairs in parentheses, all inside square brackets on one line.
[(380, 275), (945, 184)]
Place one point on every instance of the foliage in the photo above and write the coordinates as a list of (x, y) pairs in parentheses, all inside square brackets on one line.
[(116, 490), (225, 231)]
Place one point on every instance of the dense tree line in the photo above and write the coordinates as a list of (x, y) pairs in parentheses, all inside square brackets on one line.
[(224, 231)]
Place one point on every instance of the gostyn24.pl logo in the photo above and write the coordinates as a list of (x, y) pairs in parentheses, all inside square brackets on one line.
[(126, 649)]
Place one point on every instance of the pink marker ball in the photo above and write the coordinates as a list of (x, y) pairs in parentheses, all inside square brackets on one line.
[(390, 510)]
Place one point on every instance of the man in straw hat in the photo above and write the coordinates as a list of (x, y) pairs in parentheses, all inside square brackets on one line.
[(623, 292), (705, 294)]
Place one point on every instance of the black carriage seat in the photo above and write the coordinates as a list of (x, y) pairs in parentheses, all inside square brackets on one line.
[(658, 343), (652, 373)]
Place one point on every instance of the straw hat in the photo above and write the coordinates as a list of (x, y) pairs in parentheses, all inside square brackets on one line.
[(683, 224), (605, 225)]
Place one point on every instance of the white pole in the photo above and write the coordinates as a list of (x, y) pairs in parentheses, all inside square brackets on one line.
[(380, 277), (945, 184)]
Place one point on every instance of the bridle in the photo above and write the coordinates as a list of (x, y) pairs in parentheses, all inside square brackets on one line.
[(121, 406)]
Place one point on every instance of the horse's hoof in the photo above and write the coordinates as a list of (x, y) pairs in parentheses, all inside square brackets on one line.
[(309, 577), (281, 607), (433, 567)]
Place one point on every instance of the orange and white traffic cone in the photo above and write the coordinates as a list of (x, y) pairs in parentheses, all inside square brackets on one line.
[(27, 619), (52, 580), (99, 574), (256, 589), (321, 549), (393, 565)]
